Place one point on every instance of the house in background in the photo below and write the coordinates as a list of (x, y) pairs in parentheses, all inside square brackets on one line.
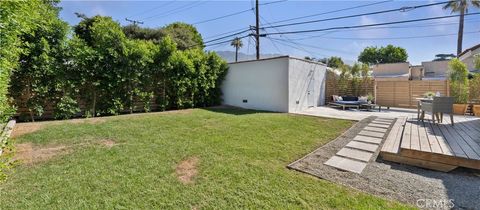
[(468, 57), (435, 70), (391, 71), (280, 84)]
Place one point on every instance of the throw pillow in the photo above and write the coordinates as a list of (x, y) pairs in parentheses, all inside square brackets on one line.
[(363, 99)]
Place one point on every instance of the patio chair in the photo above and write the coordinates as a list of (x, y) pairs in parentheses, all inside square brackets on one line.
[(438, 107)]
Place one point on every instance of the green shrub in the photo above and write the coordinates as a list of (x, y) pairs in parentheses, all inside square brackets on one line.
[(66, 108), (458, 74)]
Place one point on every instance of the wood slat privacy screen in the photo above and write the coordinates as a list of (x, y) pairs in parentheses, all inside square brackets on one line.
[(404, 93)]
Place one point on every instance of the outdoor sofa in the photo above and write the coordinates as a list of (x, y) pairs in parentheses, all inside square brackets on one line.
[(347, 102)]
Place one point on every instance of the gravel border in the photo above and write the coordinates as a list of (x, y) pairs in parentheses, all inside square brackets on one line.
[(408, 184)]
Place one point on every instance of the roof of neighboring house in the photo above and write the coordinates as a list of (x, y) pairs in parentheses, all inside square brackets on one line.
[(393, 75), (469, 49), (278, 57)]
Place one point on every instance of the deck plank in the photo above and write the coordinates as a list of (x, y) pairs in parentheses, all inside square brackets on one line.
[(446, 149), (469, 139), (407, 135), (415, 142), (462, 142), (424, 144), (472, 126), (432, 140), (457, 149), (394, 137)]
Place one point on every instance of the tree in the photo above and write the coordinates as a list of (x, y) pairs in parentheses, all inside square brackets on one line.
[(477, 61), (335, 62), (388, 54), (458, 75), (444, 57), (365, 73), (99, 50), (237, 43), (462, 7), (185, 35), (17, 19), (133, 31), (137, 80), (39, 60), (160, 83)]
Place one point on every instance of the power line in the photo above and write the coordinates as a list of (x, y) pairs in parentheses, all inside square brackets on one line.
[(151, 9), (330, 12), (385, 27), (405, 37), (312, 46), (272, 2), (135, 22), (402, 9), (221, 17), (313, 54), (224, 41), (369, 25), (177, 10), (229, 32), (278, 30), (227, 36), (237, 13)]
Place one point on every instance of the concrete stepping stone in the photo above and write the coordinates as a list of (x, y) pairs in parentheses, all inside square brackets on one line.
[(362, 146), (379, 125), (372, 134), (381, 130), (355, 154), (346, 164), (368, 139)]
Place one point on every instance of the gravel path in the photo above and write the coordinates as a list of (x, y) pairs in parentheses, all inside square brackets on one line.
[(420, 187)]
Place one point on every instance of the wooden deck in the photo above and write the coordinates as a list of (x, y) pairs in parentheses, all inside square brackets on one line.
[(440, 146)]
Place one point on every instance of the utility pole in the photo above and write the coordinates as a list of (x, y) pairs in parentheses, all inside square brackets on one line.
[(135, 22), (257, 29)]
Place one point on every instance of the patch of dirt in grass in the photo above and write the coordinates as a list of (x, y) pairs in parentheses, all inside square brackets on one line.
[(108, 143), (30, 127), (181, 111), (25, 128), (29, 154), (187, 170), (94, 120)]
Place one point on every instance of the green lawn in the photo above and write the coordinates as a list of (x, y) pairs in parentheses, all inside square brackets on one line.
[(242, 164)]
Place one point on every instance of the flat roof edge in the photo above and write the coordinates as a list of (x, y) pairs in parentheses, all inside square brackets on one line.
[(279, 57)]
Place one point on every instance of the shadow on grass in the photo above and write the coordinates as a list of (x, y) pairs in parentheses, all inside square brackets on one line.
[(234, 110)]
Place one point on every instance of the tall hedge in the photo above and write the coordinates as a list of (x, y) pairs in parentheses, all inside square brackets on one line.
[(17, 18), (102, 72)]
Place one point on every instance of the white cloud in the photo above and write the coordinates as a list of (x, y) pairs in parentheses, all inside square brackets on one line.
[(374, 32), (98, 10), (436, 11)]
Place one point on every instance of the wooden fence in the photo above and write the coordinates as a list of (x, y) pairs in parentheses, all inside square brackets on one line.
[(404, 93), (333, 87)]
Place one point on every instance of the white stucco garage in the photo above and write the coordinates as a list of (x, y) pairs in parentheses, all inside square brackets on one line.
[(280, 84)]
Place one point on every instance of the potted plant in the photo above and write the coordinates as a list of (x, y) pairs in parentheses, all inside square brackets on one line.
[(370, 98), (458, 75), (429, 95)]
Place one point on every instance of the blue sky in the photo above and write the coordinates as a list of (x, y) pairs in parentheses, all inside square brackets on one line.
[(346, 44)]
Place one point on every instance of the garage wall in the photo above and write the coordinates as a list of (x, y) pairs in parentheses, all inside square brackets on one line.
[(263, 83), (305, 76)]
